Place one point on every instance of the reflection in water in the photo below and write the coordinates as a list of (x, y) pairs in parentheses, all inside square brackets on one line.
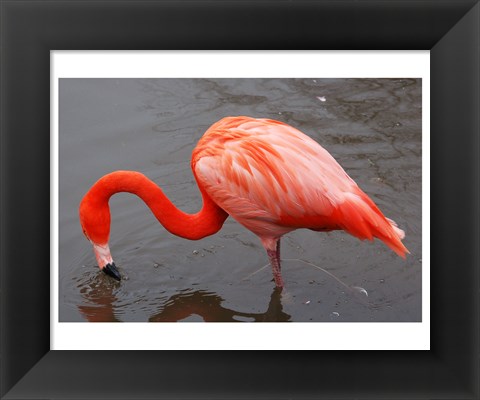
[(206, 305), (209, 306), (98, 306)]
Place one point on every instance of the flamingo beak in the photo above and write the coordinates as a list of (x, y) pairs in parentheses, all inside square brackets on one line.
[(111, 270), (105, 262)]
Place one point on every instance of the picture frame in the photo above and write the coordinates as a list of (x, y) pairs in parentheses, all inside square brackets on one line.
[(30, 30)]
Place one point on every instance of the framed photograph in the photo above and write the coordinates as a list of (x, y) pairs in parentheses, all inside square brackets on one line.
[(373, 125), (80, 103)]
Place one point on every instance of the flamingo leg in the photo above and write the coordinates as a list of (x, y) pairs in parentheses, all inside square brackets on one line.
[(274, 257)]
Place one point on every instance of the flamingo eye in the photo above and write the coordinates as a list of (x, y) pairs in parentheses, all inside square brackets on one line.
[(85, 233)]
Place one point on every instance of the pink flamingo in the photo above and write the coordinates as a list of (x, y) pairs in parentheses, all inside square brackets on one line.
[(267, 175)]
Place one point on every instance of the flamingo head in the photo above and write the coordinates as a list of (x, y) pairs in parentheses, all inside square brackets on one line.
[(95, 221)]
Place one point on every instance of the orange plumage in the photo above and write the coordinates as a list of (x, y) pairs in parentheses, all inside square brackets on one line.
[(268, 176)]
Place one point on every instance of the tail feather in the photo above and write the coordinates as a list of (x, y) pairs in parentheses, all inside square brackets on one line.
[(362, 219), (400, 233)]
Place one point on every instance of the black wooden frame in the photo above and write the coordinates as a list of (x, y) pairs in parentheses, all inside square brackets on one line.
[(31, 29)]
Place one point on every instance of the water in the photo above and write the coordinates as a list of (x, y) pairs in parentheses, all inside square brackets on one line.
[(371, 126)]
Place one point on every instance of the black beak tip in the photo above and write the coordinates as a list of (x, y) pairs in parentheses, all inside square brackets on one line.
[(111, 270)]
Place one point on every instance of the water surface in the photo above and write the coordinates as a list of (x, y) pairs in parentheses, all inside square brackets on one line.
[(371, 126)]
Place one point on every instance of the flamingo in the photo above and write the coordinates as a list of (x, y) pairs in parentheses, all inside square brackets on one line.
[(267, 175)]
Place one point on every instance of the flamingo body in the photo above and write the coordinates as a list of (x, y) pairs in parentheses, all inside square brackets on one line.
[(267, 175), (273, 179)]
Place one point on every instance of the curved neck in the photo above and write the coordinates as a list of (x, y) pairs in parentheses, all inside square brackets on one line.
[(206, 222)]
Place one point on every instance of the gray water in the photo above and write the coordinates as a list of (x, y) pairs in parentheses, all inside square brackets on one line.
[(371, 126)]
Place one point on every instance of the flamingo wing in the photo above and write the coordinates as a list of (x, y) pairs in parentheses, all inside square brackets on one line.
[(272, 178)]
